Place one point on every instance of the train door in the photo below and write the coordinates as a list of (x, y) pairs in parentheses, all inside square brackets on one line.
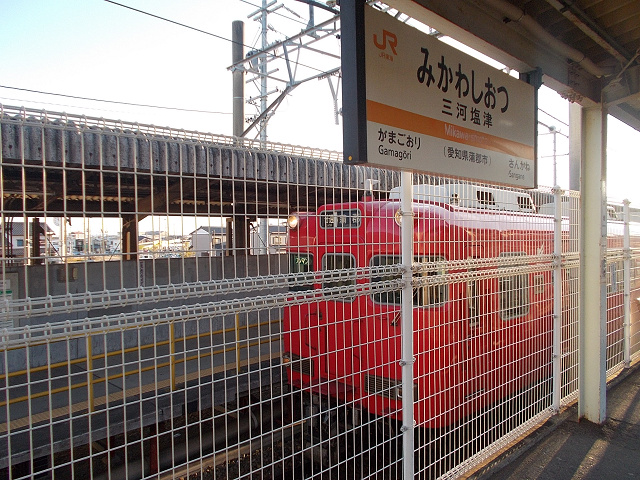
[(439, 343), (381, 336), (513, 329), (302, 337), (339, 314)]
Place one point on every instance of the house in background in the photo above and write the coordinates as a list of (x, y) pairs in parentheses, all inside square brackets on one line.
[(76, 243), (208, 241), (16, 242), (275, 242), (145, 243), (212, 241)]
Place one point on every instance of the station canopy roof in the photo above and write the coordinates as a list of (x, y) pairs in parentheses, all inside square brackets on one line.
[(587, 50)]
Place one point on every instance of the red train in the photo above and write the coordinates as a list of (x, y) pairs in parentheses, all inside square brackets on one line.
[(482, 329)]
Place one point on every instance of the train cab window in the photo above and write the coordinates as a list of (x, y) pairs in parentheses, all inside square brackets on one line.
[(300, 263), (393, 296), (339, 261), (431, 295), (514, 293)]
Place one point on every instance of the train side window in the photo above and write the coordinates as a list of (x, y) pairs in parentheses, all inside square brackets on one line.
[(388, 297), (485, 198), (300, 263), (615, 277), (339, 261), (514, 293), (431, 295), (524, 203)]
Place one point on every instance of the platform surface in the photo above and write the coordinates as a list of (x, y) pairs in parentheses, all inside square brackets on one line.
[(568, 448)]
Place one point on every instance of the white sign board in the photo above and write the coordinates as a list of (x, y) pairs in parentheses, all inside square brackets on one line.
[(433, 108)]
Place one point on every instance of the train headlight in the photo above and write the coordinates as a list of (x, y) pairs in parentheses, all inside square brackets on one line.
[(293, 221), (398, 218)]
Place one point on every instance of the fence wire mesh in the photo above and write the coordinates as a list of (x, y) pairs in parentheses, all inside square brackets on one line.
[(176, 304)]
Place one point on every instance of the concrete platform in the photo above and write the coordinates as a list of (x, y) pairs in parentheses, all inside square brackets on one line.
[(565, 448)]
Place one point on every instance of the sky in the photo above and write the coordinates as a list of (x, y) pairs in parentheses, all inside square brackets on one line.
[(96, 49), (100, 50)]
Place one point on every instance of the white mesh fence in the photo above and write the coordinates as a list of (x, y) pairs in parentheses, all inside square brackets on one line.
[(161, 320)]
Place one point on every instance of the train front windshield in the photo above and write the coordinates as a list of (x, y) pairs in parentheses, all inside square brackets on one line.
[(300, 263)]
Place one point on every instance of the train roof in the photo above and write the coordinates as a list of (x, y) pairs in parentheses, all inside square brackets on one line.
[(471, 196)]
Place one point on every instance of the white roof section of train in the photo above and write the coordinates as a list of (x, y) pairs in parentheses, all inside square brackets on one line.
[(470, 196)]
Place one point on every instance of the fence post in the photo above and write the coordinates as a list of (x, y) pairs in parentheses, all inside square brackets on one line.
[(627, 286), (406, 210), (91, 398), (557, 298), (237, 343), (172, 354)]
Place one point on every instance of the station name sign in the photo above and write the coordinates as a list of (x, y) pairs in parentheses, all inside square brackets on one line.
[(419, 104)]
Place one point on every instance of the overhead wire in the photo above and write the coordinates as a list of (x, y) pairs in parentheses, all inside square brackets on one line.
[(168, 20), (552, 130), (220, 37), (275, 13), (115, 101), (161, 107), (553, 117), (25, 101)]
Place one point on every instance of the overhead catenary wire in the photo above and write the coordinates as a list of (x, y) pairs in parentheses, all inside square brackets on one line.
[(56, 104), (220, 37), (553, 117), (168, 107), (76, 97), (276, 13), (552, 130), (168, 20)]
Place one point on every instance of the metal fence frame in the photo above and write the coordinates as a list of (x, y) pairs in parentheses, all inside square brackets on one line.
[(172, 366)]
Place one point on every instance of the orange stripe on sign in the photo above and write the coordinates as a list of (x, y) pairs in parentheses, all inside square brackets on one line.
[(395, 117)]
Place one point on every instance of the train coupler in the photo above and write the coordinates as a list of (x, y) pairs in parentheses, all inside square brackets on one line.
[(328, 429)]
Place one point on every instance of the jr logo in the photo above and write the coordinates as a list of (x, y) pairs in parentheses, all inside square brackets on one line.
[(388, 38)]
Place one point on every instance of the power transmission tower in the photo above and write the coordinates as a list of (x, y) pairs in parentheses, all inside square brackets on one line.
[(290, 62)]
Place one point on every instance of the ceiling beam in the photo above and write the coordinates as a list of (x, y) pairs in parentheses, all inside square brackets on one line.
[(493, 28), (622, 97), (590, 28)]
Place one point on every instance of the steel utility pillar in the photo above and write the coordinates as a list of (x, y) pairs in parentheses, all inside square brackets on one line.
[(129, 237), (237, 54), (238, 233), (36, 231), (593, 250)]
